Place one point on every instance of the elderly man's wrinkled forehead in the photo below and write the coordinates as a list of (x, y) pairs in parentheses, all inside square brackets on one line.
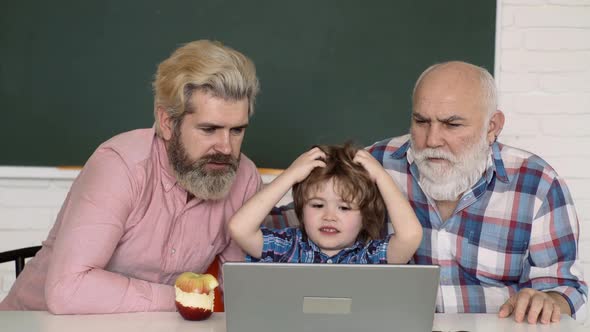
[(450, 82), (455, 72)]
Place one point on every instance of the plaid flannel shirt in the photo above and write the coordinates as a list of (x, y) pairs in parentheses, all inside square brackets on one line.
[(288, 245), (515, 228)]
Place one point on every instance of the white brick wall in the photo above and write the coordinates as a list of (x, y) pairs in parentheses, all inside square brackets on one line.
[(543, 74), (28, 208)]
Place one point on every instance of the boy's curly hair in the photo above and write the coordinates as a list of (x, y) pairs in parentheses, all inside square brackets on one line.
[(352, 182)]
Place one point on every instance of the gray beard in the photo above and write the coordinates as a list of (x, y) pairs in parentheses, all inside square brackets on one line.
[(449, 182), (193, 175)]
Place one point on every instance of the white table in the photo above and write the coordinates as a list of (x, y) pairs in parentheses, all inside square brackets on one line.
[(34, 321)]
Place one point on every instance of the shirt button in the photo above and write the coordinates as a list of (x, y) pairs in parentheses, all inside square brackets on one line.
[(173, 251), (329, 261)]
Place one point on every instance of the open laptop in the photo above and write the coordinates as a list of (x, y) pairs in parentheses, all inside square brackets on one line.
[(276, 297)]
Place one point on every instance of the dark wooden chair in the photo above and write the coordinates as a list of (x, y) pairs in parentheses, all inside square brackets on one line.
[(18, 256)]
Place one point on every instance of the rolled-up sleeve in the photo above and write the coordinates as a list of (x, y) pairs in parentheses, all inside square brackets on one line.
[(553, 263)]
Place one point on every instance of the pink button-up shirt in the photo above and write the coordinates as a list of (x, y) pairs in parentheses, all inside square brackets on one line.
[(126, 231)]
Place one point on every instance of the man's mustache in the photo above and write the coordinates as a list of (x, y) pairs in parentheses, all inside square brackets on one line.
[(434, 153), (219, 158)]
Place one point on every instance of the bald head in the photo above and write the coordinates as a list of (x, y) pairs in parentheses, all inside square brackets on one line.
[(458, 80)]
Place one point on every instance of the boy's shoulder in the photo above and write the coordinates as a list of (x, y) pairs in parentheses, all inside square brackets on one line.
[(279, 243)]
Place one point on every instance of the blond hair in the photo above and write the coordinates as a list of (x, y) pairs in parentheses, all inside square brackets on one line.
[(203, 65)]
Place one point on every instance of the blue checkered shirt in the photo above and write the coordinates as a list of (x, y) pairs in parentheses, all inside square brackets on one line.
[(288, 245)]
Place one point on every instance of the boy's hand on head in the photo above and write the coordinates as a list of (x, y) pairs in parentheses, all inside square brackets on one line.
[(305, 163), (371, 164)]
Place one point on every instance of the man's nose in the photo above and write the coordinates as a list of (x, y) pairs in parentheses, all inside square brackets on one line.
[(434, 138), (223, 144)]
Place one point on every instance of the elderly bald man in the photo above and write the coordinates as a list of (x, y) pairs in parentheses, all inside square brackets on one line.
[(499, 220)]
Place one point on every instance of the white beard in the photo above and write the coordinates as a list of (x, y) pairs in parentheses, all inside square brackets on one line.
[(447, 181)]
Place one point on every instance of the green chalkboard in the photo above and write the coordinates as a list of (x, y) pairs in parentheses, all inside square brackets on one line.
[(74, 73)]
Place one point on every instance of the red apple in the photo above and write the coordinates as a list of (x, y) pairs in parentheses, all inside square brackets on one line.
[(195, 295)]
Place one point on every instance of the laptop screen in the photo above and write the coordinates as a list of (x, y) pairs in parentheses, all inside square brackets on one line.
[(265, 297)]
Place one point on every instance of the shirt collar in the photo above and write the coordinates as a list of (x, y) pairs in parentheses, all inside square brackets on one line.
[(498, 164), (356, 246), (402, 152), (168, 177)]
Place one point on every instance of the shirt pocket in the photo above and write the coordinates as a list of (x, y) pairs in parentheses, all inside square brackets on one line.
[(496, 258), (200, 257)]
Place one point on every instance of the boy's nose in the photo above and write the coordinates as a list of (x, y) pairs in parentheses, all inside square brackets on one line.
[(329, 215)]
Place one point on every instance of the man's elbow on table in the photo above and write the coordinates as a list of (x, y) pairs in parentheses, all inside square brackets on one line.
[(57, 302), (60, 297)]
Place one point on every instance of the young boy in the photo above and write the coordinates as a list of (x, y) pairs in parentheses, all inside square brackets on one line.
[(340, 196)]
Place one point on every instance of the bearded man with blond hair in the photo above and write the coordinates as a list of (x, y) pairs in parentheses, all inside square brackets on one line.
[(153, 203)]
